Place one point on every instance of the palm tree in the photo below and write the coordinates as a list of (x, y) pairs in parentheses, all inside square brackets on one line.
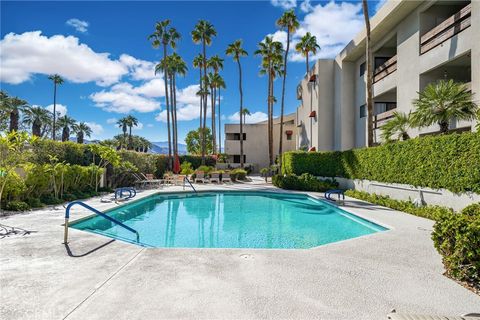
[(36, 117), (123, 123), (289, 22), (198, 63), (81, 130), (369, 71), (220, 85), (236, 51), (4, 115), (245, 113), (215, 63), (11, 108), (203, 33), (397, 126), (441, 102), (177, 66), (66, 123), (165, 35), (308, 44), (272, 65), (57, 81), (131, 122)]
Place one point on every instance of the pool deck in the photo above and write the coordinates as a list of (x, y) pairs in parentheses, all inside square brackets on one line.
[(99, 278)]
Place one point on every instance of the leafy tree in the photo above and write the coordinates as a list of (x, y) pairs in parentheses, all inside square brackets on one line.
[(442, 102), (66, 123), (307, 44), (81, 130), (194, 141), (105, 156), (36, 117), (57, 81), (236, 51), (397, 127)]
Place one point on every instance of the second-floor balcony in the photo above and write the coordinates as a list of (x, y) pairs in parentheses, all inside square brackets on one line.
[(385, 69), (382, 118)]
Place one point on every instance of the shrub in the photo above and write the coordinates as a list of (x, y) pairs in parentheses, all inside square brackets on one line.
[(238, 174), (447, 161), (205, 169), (304, 182), (34, 202), (17, 206), (472, 210), (186, 168), (48, 199)]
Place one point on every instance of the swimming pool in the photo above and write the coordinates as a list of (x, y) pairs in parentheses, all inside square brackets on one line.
[(231, 220)]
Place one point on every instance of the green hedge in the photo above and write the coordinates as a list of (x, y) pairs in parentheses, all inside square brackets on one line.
[(448, 161), (304, 182)]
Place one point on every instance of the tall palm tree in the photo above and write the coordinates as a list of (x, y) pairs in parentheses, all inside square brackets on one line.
[(397, 127), (441, 102), (57, 81), (215, 63), (178, 66), (81, 130), (369, 72), (66, 123), (307, 44), (272, 65), (203, 33), (236, 51), (245, 113), (131, 122), (198, 63), (289, 22), (164, 35), (11, 108), (123, 124), (36, 117), (220, 85)]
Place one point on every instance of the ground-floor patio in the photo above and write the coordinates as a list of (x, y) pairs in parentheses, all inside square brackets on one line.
[(95, 277)]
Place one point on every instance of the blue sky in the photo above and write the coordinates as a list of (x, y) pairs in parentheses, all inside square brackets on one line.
[(101, 50)]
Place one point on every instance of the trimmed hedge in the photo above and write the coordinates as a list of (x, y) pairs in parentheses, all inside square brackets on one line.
[(304, 182), (447, 161)]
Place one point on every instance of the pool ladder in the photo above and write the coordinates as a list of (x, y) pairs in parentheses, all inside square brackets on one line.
[(191, 185), (67, 217)]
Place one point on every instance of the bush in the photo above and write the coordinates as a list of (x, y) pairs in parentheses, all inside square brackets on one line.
[(17, 206), (446, 161), (186, 168), (238, 174), (304, 182), (34, 203), (457, 239)]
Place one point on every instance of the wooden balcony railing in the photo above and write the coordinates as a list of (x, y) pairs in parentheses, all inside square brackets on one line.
[(446, 30), (380, 119), (385, 69)]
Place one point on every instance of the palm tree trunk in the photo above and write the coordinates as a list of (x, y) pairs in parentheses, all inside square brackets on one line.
[(65, 134), (444, 127), (80, 138), (219, 124), (172, 113), (282, 107), (241, 110), (214, 131), (307, 62), (201, 98), (175, 112), (204, 137), (14, 118), (54, 108), (270, 117), (36, 128), (369, 76), (130, 142), (165, 78)]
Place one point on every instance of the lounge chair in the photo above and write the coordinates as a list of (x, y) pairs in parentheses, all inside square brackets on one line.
[(215, 177), (200, 176), (169, 179), (178, 179), (404, 316), (226, 177)]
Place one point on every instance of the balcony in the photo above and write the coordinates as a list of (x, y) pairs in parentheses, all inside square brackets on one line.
[(385, 69), (381, 119), (446, 30)]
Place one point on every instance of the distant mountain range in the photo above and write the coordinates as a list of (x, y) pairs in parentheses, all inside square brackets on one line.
[(161, 147)]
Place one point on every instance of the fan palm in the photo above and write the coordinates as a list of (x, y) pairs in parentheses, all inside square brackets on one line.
[(11, 108), (123, 124), (131, 122), (203, 33), (57, 81), (397, 127), (220, 85), (306, 45), (198, 63), (245, 113), (442, 102), (236, 51), (36, 117), (66, 123), (177, 66), (215, 63), (4, 115), (81, 130), (289, 22)]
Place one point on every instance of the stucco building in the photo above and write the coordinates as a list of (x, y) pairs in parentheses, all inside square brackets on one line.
[(414, 43)]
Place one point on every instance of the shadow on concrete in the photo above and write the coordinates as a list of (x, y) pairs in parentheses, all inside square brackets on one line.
[(71, 254)]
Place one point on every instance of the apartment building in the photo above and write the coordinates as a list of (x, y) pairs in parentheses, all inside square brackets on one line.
[(255, 144), (414, 43)]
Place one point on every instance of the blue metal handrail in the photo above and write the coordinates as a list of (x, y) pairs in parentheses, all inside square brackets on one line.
[(67, 217), (119, 192), (191, 185)]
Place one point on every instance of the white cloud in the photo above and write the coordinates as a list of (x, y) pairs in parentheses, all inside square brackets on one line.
[(139, 69), (29, 53), (306, 6), (284, 4), (112, 120), (59, 109), (79, 25), (154, 88), (97, 129), (253, 118), (138, 127), (188, 105)]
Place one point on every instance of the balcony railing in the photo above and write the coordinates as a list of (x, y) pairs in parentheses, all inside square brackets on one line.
[(381, 119), (446, 30), (385, 69)]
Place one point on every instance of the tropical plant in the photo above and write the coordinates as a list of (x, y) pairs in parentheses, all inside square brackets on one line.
[(66, 123), (105, 156), (396, 127), (123, 124), (81, 130), (11, 108), (369, 71), (57, 81), (245, 113), (236, 51), (215, 63), (194, 141), (4, 116), (289, 22), (131, 122), (36, 117), (198, 63), (442, 102), (203, 33), (220, 84), (307, 44)]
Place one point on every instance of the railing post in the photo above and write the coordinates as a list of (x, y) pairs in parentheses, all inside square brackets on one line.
[(65, 233)]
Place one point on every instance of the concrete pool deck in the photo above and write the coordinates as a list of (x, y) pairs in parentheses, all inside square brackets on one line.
[(95, 277)]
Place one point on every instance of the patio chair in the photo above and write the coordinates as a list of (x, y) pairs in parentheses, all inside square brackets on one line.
[(178, 179), (215, 177), (404, 316), (226, 177), (200, 176), (169, 179)]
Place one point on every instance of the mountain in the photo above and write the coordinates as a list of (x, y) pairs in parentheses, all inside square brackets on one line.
[(161, 147)]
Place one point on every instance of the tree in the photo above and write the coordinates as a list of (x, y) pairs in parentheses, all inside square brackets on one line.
[(165, 36), (66, 123), (131, 122), (4, 115), (289, 22), (306, 45), (220, 85), (236, 51), (442, 102), (203, 33), (123, 123), (215, 63), (36, 117), (81, 130), (397, 126), (369, 72), (10, 109), (245, 113), (106, 156), (57, 81), (198, 63), (194, 141), (176, 66), (272, 65)]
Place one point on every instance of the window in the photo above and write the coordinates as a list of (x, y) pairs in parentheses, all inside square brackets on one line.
[(236, 136), (362, 69), (363, 111), (381, 107), (289, 136), (236, 158), (380, 61)]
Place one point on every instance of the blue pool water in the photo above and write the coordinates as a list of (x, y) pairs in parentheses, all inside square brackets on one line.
[(231, 220)]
